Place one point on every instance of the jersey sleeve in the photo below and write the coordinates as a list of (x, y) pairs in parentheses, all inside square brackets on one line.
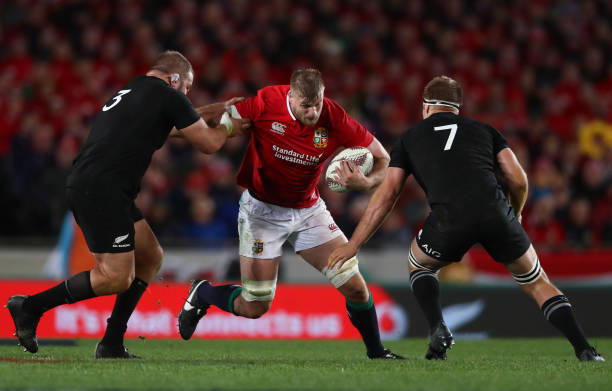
[(179, 109), (251, 108), (399, 156), (499, 141), (353, 133)]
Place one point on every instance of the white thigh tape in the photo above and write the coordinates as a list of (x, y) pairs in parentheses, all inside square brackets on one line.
[(258, 290), (339, 277), (531, 276)]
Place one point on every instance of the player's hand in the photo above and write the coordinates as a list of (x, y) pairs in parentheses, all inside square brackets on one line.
[(342, 254), (519, 217), (233, 101), (350, 175), (239, 125)]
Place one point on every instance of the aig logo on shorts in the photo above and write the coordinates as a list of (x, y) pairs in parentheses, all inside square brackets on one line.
[(320, 138), (257, 247)]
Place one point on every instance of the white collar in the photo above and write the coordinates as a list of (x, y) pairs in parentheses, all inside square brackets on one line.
[(289, 108)]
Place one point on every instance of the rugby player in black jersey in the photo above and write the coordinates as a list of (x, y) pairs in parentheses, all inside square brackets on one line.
[(454, 159), (101, 189)]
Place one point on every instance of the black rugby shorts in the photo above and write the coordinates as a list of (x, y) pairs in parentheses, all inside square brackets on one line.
[(448, 236), (106, 218)]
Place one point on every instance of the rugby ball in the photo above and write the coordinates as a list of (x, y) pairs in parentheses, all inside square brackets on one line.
[(362, 157)]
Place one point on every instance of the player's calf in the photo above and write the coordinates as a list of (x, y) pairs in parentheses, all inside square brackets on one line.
[(251, 309)]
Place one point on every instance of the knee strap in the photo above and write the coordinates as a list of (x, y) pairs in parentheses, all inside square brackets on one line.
[(258, 290), (529, 277), (339, 277), (416, 264)]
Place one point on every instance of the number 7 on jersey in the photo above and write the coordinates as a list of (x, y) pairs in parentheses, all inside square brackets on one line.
[(451, 136)]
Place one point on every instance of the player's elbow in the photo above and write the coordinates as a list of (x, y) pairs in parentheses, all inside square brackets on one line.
[(208, 146), (518, 183)]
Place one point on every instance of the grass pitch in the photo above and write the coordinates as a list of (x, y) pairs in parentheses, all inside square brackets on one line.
[(497, 364)]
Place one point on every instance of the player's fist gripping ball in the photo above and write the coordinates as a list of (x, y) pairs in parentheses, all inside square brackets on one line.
[(362, 158)]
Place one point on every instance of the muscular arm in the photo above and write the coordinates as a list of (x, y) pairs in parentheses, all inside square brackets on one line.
[(207, 139), (381, 162), (515, 177), (378, 209)]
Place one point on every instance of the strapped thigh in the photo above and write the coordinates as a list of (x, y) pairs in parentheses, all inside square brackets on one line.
[(531, 276), (416, 264), (339, 277)]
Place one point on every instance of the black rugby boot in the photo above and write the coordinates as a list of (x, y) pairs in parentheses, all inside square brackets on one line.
[(193, 310), (590, 354), (25, 323), (113, 351), (386, 355), (440, 341)]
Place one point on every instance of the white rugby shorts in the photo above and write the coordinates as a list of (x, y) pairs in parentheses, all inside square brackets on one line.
[(263, 228)]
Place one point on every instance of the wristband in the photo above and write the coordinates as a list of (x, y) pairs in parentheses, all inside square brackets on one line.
[(227, 121)]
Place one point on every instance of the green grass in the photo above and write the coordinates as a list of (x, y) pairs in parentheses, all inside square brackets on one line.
[(497, 364)]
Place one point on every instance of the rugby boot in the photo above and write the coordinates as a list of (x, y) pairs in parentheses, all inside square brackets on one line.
[(25, 323), (387, 355), (590, 354), (440, 341), (193, 310), (113, 351)]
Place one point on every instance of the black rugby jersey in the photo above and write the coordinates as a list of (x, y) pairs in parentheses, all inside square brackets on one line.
[(132, 125), (453, 158)]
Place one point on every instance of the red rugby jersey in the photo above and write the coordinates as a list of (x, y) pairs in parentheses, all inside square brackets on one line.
[(284, 159)]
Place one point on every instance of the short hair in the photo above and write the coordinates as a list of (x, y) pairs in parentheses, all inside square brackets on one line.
[(443, 90), (307, 82), (172, 61)]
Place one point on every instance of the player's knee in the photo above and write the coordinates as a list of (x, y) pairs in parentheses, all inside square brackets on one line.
[(123, 282), (341, 276), (156, 258), (119, 281)]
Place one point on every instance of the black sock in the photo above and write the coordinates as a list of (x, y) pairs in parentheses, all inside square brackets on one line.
[(558, 311), (76, 288), (125, 304), (363, 317), (426, 289), (221, 296)]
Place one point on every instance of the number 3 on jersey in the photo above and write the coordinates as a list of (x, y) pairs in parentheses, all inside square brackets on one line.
[(116, 100), (451, 136)]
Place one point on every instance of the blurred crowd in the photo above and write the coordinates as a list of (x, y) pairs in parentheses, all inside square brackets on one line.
[(539, 71)]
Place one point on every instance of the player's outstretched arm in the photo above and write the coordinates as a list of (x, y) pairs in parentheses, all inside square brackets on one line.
[(515, 177), (215, 110), (210, 140), (378, 209)]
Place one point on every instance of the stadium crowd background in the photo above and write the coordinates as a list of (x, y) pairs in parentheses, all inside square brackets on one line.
[(540, 71)]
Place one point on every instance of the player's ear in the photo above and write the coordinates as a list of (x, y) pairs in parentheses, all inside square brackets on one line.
[(174, 79)]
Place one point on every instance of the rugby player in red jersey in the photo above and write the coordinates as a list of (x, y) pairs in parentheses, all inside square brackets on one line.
[(295, 129)]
